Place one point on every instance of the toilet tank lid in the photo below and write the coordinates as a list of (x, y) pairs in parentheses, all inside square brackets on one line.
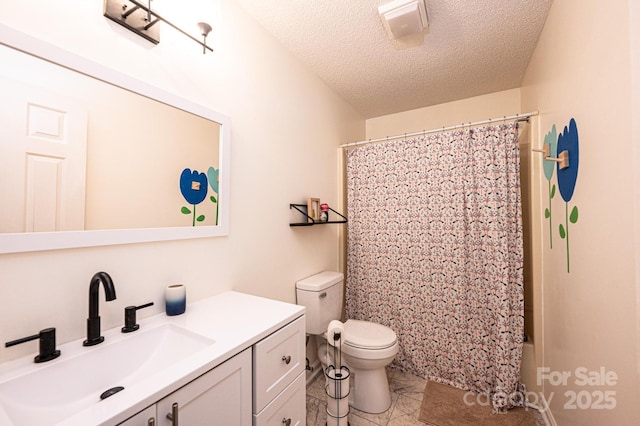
[(320, 281)]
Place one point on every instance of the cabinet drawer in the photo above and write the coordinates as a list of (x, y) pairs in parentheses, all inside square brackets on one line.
[(277, 361), (289, 405)]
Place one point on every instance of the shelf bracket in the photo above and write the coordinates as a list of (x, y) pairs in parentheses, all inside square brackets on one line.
[(311, 221)]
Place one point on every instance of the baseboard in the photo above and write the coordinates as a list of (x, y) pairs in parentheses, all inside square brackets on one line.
[(547, 417), (316, 369)]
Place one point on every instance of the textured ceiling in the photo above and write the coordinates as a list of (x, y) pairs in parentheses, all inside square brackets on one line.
[(472, 47)]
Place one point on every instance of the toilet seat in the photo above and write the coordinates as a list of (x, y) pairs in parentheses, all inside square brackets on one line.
[(368, 335)]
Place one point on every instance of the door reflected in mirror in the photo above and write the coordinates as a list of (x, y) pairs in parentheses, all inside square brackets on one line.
[(82, 154)]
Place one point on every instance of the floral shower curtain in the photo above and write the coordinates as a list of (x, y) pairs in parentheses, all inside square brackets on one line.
[(435, 253)]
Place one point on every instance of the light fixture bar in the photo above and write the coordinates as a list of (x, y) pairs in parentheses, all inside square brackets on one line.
[(119, 12)]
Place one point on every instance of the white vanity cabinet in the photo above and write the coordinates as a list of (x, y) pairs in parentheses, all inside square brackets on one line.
[(221, 396), (231, 359), (279, 391), (265, 384)]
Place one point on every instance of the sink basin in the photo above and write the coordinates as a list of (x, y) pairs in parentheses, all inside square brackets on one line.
[(51, 393)]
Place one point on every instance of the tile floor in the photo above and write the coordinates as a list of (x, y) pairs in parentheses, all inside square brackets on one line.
[(406, 398)]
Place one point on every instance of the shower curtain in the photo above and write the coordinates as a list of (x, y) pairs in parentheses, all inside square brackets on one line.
[(434, 251)]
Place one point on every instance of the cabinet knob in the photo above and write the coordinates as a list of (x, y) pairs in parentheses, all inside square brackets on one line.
[(173, 415), (286, 422), (151, 422), (286, 359)]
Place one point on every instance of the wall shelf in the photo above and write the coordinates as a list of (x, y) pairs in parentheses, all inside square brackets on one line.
[(302, 208)]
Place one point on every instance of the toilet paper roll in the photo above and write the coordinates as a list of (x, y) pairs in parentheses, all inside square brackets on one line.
[(337, 410), (175, 297), (336, 328), (337, 382)]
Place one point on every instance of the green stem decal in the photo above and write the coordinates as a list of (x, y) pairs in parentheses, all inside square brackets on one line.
[(214, 200), (547, 213), (566, 221), (564, 229)]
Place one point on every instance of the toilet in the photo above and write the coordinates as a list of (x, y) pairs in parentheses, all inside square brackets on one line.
[(367, 347)]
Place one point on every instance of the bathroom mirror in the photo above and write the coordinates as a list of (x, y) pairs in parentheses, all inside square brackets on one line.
[(92, 157)]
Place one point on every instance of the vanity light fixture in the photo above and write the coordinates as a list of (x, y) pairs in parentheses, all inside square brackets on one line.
[(139, 18), (205, 29)]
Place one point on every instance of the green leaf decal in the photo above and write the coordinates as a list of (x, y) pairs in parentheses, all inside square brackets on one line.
[(553, 191), (547, 213), (185, 210), (573, 218), (213, 199), (562, 233), (200, 218)]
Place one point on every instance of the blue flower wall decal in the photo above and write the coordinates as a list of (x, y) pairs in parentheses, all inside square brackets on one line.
[(193, 186), (567, 178), (550, 139), (213, 176)]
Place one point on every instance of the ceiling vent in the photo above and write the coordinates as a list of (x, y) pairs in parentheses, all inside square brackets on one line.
[(404, 17)]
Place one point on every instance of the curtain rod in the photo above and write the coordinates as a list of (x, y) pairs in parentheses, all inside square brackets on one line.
[(517, 117)]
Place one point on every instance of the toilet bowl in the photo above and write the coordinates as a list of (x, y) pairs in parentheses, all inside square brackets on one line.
[(368, 348)]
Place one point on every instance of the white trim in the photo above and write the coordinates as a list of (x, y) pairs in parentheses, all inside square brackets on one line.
[(24, 242)]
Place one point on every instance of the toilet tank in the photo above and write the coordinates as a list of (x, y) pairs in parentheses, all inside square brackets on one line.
[(321, 294)]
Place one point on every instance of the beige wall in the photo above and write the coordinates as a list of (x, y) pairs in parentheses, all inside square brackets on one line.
[(634, 29), (286, 126), (473, 109), (581, 69)]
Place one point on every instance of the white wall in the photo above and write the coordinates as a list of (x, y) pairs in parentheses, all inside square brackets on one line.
[(581, 69), (286, 125)]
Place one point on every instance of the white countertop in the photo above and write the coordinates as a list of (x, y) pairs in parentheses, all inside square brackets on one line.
[(235, 321)]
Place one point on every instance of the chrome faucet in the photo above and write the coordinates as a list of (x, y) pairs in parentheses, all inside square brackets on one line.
[(93, 322)]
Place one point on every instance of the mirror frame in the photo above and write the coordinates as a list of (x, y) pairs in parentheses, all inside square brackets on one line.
[(37, 241)]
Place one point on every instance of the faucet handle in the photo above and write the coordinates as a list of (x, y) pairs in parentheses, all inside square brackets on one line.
[(48, 349), (130, 317)]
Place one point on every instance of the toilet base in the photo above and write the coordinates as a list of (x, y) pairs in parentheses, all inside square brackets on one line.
[(370, 392)]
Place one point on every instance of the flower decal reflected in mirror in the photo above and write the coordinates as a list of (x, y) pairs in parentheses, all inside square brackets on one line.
[(213, 176), (194, 188)]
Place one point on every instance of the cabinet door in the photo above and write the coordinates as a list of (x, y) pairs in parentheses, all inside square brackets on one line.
[(143, 418), (221, 397)]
